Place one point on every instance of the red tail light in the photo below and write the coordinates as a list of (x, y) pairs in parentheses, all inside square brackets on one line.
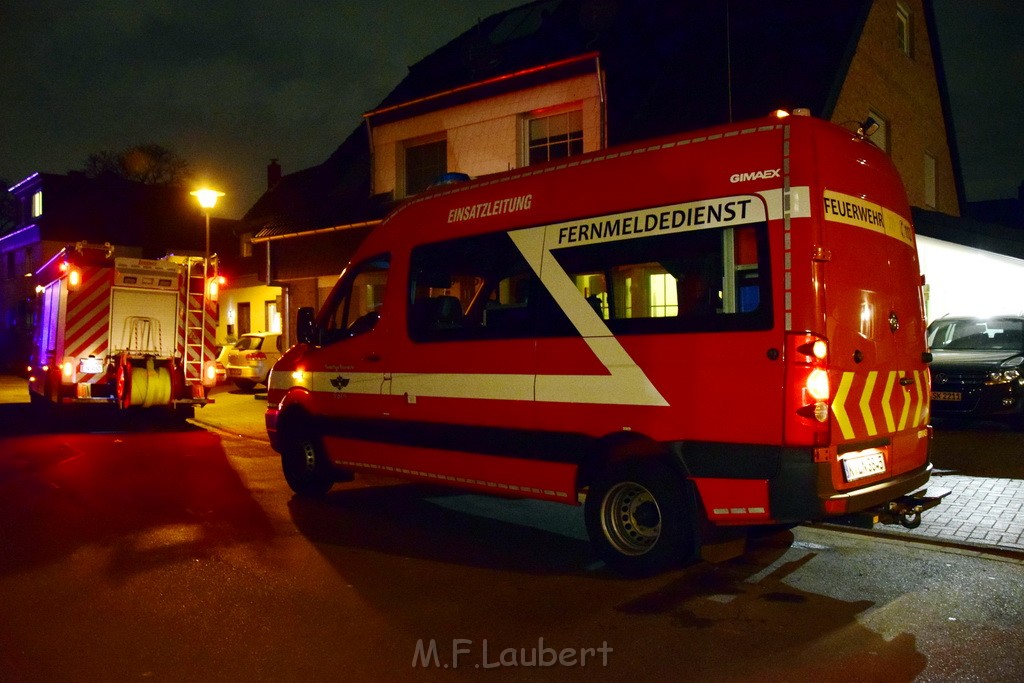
[(256, 355), (808, 390)]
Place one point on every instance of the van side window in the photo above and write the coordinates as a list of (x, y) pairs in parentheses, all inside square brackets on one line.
[(478, 287), (354, 306), (701, 280)]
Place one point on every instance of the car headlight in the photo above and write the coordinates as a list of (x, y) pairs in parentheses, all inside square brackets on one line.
[(1003, 376), (1014, 362)]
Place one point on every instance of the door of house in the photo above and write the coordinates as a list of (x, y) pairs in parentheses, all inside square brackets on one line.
[(244, 319)]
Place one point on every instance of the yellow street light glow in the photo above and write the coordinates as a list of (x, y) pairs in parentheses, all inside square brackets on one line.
[(207, 197)]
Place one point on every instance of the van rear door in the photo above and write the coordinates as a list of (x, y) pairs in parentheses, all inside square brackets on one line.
[(876, 332)]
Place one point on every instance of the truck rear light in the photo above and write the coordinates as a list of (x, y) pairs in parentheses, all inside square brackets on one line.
[(808, 390), (210, 373), (74, 278), (213, 286), (67, 370), (817, 384)]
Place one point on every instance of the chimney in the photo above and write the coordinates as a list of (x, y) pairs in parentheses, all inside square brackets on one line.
[(273, 173)]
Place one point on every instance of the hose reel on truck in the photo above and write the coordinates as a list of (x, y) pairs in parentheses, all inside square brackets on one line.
[(145, 384)]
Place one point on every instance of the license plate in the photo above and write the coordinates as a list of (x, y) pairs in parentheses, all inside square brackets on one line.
[(90, 366), (234, 372), (946, 396), (863, 465)]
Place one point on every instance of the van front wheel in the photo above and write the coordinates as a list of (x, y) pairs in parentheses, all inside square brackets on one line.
[(639, 517), (306, 467)]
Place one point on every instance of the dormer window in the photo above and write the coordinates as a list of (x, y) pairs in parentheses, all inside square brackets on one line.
[(554, 136)]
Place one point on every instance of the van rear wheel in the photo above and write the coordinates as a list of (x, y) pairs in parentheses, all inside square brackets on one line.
[(640, 518), (306, 467)]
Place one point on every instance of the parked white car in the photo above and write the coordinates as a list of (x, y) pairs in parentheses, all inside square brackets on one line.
[(250, 360)]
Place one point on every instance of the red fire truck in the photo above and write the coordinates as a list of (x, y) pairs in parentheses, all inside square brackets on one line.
[(128, 332), (692, 336)]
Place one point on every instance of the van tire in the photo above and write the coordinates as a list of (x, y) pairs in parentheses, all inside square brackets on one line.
[(640, 517), (306, 467)]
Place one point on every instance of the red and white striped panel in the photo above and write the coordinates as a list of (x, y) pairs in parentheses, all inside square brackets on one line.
[(193, 359), (179, 333), (210, 329), (87, 326)]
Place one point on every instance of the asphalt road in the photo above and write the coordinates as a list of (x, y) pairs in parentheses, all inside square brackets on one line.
[(178, 554)]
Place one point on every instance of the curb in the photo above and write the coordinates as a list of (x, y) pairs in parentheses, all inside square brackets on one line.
[(1000, 551)]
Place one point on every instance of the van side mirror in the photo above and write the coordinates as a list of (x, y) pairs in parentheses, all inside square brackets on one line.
[(304, 326)]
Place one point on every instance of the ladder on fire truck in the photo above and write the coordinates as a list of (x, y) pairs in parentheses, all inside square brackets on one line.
[(197, 275)]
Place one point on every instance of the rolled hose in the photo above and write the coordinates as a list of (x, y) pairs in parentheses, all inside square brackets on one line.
[(150, 386)]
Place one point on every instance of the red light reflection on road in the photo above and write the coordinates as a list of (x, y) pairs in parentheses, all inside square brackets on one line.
[(157, 497)]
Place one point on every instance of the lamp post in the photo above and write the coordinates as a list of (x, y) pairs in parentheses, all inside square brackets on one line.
[(207, 199)]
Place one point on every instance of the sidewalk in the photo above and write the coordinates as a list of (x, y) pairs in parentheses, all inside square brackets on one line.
[(980, 511), (983, 465)]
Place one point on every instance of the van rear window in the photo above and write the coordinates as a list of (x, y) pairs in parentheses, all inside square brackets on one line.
[(704, 280)]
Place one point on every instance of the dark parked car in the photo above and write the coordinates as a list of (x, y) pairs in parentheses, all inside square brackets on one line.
[(978, 367)]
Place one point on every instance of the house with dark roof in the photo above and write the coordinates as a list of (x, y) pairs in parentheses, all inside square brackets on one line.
[(53, 211), (554, 78)]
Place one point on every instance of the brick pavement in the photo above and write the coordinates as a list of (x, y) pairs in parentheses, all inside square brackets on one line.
[(980, 511)]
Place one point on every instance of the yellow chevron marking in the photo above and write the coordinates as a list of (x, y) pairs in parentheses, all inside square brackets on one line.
[(920, 398), (906, 403), (838, 407), (865, 400), (886, 395), (926, 398)]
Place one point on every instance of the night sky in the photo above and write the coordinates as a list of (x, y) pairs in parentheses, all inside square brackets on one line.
[(232, 85)]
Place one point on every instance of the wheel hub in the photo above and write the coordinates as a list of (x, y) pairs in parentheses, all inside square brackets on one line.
[(309, 456), (631, 518)]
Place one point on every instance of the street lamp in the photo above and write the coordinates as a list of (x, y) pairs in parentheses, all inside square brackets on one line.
[(207, 199)]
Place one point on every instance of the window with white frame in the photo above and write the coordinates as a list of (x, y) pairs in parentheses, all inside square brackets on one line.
[(903, 29), (554, 136), (424, 164)]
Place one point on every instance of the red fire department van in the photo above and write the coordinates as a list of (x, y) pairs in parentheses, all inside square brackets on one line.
[(706, 332), (124, 332)]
